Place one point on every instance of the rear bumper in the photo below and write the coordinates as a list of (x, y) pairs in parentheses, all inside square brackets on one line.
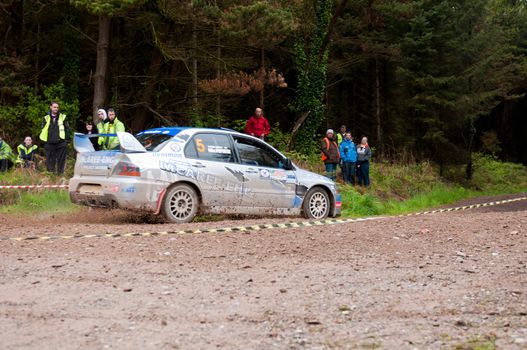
[(129, 193)]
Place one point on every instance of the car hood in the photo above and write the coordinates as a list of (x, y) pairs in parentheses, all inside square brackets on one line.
[(308, 178)]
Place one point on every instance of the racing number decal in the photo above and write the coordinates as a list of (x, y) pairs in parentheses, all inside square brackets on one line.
[(200, 146)]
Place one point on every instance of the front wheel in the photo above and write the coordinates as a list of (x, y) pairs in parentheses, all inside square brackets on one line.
[(316, 204), (180, 204)]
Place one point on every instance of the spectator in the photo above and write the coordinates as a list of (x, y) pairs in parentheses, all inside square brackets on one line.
[(363, 162), (348, 153), (341, 134), (26, 153), (6, 156), (90, 131), (113, 126), (55, 133), (257, 125), (330, 154), (103, 119)]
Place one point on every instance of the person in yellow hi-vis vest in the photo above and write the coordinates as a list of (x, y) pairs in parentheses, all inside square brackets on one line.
[(26, 153), (113, 126), (55, 134)]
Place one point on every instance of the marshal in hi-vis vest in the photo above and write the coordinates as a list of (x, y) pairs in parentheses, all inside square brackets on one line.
[(45, 129)]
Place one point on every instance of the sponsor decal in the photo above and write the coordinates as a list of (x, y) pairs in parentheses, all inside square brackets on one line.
[(130, 189), (97, 159), (174, 147), (166, 155), (218, 149), (113, 188), (185, 170), (278, 175), (264, 173), (291, 179), (297, 201)]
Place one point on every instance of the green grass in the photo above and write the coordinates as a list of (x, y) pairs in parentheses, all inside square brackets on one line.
[(398, 189), (395, 188), (52, 201)]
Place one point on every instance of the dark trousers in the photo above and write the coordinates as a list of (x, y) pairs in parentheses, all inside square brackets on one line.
[(331, 171), (363, 173), (56, 157), (348, 172), (4, 164)]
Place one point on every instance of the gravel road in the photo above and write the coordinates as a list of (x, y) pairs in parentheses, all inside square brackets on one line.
[(453, 280)]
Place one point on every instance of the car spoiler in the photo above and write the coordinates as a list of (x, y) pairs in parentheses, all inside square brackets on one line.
[(127, 142)]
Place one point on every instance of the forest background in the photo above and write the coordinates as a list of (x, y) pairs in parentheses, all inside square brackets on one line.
[(424, 80)]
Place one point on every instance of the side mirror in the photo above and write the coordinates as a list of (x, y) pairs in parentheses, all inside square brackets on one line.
[(288, 165)]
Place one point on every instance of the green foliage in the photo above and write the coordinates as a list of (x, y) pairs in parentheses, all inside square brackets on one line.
[(311, 61), (277, 138), (106, 7), (25, 117), (261, 24)]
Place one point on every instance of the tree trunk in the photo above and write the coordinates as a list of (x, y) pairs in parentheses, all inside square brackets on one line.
[(140, 120), (194, 68), (101, 68), (218, 76), (37, 59), (378, 105), (261, 105)]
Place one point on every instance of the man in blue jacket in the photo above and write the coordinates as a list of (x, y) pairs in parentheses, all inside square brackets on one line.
[(348, 157)]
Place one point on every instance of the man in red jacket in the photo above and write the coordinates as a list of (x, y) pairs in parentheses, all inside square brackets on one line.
[(257, 125)]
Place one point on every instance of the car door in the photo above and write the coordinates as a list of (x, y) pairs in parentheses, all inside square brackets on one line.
[(268, 183), (212, 164)]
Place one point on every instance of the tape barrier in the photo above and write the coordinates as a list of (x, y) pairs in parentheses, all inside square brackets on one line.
[(257, 227), (34, 186)]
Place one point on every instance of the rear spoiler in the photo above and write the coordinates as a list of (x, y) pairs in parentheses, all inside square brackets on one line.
[(127, 142)]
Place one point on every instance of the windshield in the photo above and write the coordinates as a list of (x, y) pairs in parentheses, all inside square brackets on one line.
[(151, 142)]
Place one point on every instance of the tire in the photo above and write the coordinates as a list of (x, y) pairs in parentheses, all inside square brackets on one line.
[(316, 204), (180, 204)]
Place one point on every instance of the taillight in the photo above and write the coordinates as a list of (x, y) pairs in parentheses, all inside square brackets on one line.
[(127, 169)]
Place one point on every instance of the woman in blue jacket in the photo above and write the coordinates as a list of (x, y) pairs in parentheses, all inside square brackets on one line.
[(348, 158)]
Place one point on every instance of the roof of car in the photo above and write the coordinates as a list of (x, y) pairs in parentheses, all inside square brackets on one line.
[(173, 130)]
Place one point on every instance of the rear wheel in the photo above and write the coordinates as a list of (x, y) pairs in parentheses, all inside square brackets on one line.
[(180, 204), (316, 204)]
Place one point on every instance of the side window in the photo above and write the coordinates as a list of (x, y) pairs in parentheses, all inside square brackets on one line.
[(214, 147), (254, 153)]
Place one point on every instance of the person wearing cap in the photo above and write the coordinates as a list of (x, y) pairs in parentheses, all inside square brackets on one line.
[(330, 154), (26, 153), (257, 125), (55, 133), (113, 126), (6, 155)]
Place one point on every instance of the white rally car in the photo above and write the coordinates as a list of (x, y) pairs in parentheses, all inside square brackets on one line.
[(180, 172)]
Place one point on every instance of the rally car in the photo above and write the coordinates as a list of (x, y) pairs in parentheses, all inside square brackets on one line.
[(179, 172)]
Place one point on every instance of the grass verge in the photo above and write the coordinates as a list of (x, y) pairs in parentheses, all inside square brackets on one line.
[(399, 189), (396, 189)]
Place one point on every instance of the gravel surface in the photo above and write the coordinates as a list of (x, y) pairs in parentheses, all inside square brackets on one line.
[(454, 280)]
